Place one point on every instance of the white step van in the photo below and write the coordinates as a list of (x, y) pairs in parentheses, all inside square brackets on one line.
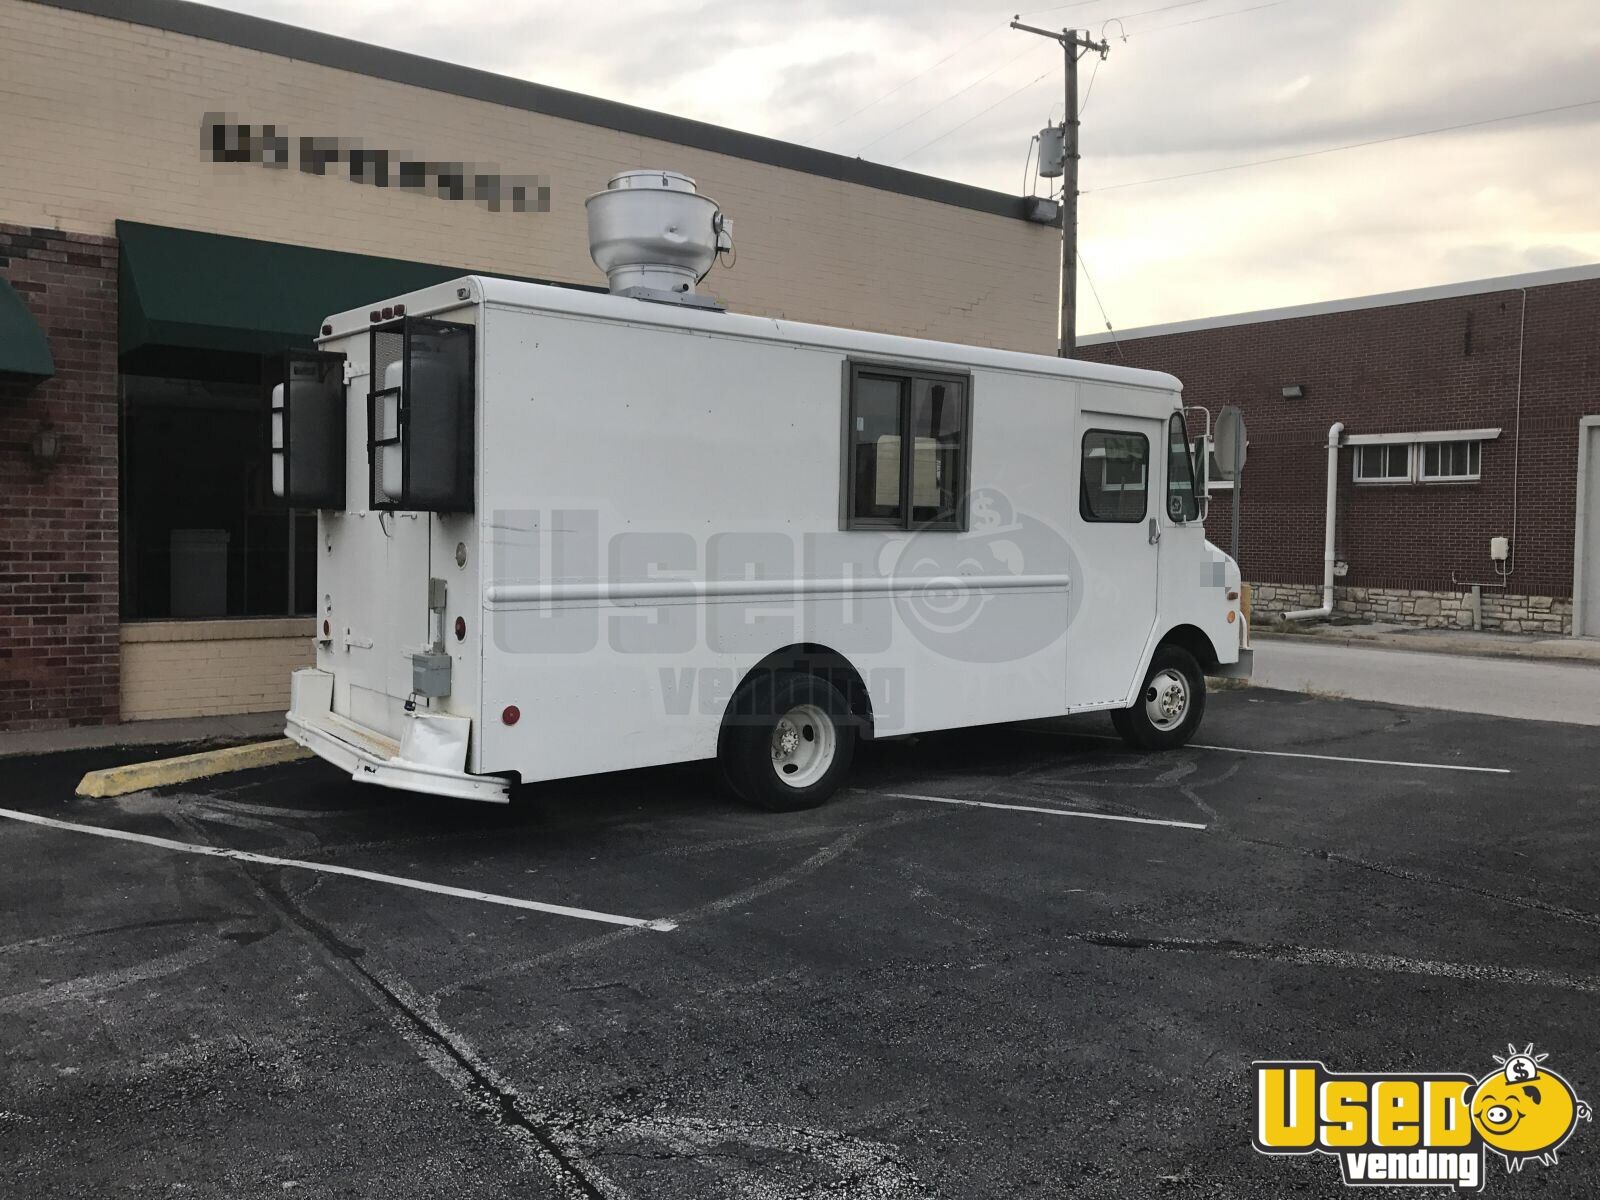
[(563, 532)]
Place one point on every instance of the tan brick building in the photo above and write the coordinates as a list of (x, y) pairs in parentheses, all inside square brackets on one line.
[(184, 189)]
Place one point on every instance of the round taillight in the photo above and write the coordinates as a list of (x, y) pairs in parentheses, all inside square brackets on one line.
[(461, 628), (511, 715)]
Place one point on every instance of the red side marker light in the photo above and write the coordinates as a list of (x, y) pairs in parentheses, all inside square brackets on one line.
[(461, 628), (512, 714), (326, 630)]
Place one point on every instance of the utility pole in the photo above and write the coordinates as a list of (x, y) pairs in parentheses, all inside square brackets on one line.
[(1074, 45)]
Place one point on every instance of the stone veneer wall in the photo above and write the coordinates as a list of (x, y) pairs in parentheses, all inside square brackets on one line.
[(1431, 610)]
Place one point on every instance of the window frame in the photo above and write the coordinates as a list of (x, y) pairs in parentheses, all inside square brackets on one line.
[(1197, 495), (1084, 512), (1356, 475), (907, 375), (1421, 461)]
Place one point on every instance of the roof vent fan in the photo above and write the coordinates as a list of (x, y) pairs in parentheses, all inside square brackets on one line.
[(655, 236)]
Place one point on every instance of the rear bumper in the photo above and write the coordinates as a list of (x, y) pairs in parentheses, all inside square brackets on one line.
[(370, 757)]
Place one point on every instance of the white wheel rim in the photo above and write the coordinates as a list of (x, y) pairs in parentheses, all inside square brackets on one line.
[(803, 744), (1166, 699)]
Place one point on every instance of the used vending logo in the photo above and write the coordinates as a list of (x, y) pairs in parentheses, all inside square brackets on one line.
[(1417, 1128)]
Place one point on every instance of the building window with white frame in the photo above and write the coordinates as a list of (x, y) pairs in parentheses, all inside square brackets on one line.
[(1449, 462), (1383, 463)]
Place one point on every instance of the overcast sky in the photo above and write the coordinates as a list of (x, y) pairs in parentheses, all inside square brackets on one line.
[(1196, 85)]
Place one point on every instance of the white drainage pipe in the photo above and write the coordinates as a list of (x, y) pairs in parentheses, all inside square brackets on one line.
[(1311, 614)]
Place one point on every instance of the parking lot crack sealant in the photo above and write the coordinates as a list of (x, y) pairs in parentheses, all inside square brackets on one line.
[(445, 1052), (452, 1060)]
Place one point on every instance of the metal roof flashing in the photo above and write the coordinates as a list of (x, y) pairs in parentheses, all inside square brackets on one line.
[(1444, 291), (397, 66)]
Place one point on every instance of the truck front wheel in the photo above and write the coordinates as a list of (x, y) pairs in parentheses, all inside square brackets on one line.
[(788, 742), (1169, 706)]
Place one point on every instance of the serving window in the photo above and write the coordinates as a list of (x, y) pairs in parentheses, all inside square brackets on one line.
[(906, 449)]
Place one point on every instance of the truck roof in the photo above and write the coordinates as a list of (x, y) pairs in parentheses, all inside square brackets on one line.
[(511, 293)]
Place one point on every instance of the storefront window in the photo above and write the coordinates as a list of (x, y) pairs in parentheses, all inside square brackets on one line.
[(201, 534)]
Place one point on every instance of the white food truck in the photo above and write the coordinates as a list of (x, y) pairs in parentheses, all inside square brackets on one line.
[(563, 532)]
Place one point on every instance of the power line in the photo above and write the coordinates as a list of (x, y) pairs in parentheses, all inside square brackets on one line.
[(1120, 16), (1033, 12), (940, 104), (1080, 3), (1235, 12), (908, 82), (1398, 137), (969, 120), (946, 100), (1095, 292), (1089, 91)]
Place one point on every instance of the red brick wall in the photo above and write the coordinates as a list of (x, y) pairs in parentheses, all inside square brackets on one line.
[(1386, 370), (59, 648)]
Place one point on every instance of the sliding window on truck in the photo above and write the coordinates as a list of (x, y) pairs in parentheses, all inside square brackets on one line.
[(420, 416), (905, 448)]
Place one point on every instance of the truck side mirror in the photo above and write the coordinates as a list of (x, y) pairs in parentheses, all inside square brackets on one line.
[(420, 416), (306, 428)]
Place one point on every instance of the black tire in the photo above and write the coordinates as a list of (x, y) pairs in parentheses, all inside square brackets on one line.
[(1168, 665), (816, 716)]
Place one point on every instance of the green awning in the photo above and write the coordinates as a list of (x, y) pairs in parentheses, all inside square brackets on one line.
[(24, 349), (207, 291)]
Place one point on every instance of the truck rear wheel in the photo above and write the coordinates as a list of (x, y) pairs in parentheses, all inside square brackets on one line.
[(788, 742), (1170, 704)]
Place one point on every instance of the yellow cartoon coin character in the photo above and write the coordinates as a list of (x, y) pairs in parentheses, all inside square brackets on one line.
[(1525, 1110)]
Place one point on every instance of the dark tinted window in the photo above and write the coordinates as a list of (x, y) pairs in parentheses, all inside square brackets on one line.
[(888, 486), (1183, 502), (875, 426), (1116, 476), (937, 419)]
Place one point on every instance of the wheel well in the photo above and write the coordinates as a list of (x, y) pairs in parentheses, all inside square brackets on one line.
[(812, 659), (1194, 640)]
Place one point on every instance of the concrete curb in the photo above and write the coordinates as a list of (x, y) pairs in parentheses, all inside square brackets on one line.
[(236, 729), (136, 777), (1404, 641)]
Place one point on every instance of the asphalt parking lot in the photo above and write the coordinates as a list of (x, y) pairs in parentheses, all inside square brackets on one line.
[(955, 980)]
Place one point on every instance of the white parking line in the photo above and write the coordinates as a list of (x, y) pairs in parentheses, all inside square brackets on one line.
[(1049, 812), (144, 839), (1371, 762)]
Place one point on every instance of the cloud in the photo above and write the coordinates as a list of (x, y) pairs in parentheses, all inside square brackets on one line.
[(1185, 92)]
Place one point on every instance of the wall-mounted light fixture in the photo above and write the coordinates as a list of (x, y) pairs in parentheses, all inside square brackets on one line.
[(1041, 210), (45, 446), (1294, 392)]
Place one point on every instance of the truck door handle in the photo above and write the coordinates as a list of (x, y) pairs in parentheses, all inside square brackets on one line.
[(1155, 530)]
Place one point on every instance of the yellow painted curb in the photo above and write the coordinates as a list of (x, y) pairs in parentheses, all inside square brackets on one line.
[(136, 777)]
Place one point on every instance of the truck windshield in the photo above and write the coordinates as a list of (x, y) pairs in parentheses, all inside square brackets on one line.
[(1183, 503)]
